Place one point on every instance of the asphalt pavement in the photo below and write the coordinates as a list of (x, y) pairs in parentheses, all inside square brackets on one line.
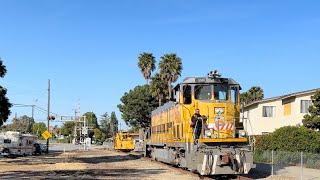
[(62, 147)]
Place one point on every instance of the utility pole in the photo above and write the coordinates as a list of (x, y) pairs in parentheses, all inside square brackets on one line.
[(33, 105), (33, 112), (48, 119), (75, 126)]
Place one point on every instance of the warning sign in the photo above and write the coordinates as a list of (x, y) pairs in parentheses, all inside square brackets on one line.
[(46, 134)]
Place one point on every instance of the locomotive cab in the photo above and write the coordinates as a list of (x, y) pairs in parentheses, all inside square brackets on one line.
[(218, 101)]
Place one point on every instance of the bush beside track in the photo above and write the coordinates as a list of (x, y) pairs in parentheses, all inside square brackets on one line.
[(289, 141)]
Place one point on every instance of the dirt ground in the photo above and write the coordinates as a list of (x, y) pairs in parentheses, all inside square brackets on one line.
[(92, 164), (98, 164)]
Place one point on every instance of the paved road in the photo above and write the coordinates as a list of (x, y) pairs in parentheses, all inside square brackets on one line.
[(59, 148)]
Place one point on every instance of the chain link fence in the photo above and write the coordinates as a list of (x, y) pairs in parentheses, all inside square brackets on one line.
[(297, 165)]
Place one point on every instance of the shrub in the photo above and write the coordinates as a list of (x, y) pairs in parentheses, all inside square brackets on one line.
[(295, 139), (291, 139), (288, 142)]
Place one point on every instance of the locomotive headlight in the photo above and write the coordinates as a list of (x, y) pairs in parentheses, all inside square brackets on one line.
[(242, 133), (219, 110), (208, 134)]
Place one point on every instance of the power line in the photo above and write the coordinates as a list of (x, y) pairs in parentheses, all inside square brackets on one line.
[(40, 110), (37, 107), (23, 105), (27, 92), (46, 110)]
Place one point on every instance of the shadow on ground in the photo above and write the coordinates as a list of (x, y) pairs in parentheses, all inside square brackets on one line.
[(83, 174), (54, 158), (106, 159), (261, 171), (33, 160)]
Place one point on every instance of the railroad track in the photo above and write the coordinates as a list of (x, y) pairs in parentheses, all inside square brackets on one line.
[(184, 171)]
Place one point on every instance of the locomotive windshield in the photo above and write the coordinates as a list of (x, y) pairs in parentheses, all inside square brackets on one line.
[(220, 92), (203, 92)]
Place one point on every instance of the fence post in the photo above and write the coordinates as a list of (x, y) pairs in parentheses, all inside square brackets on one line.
[(272, 162), (301, 165)]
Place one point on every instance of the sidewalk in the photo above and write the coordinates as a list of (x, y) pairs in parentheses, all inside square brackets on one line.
[(290, 171)]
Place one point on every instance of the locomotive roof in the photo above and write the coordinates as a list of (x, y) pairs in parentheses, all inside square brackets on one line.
[(199, 80), (163, 108), (191, 80)]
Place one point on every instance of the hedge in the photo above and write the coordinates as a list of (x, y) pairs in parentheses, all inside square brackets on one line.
[(290, 138), (288, 142)]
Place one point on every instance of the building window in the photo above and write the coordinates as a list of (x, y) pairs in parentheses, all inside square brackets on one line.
[(287, 109), (268, 111), (305, 104)]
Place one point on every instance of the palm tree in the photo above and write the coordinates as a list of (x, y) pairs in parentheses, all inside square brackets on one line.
[(146, 63), (158, 88), (255, 93), (244, 98), (170, 69)]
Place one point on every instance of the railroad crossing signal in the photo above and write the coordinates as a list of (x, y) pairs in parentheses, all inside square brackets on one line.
[(46, 134)]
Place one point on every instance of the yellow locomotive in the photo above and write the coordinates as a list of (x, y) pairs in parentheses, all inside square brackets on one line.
[(123, 142), (222, 147)]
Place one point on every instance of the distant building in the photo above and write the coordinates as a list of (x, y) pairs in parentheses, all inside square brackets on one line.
[(134, 136), (51, 128), (265, 116)]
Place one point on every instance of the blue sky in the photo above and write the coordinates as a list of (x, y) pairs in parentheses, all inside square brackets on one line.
[(89, 49)]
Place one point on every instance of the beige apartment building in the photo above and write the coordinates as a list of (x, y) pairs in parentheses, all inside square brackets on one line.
[(265, 116)]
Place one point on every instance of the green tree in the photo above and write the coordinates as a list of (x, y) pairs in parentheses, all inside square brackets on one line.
[(158, 88), (105, 123), (146, 64), (170, 69), (244, 98), (133, 130), (22, 124), (67, 128), (5, 105), (312, 120), (91, 119), (255, 93), (99, 136), (97, 133), (113, 124), (136, 106), (38, 128)]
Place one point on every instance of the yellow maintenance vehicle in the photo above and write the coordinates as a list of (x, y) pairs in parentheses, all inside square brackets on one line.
[(123, 141)]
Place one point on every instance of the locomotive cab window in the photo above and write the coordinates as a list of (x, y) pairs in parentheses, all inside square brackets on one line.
[(220, 92), (203, 92), (234, 94), (186, 94)]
